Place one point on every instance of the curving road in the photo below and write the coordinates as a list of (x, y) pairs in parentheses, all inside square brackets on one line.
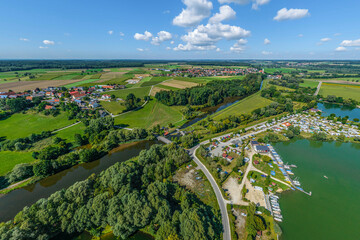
[(222, 202)]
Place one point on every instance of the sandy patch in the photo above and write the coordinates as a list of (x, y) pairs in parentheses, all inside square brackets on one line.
[(179, 84), (240, 224), (254, 195), (234, 190), (31, 85), (186, 179), (156, 90)]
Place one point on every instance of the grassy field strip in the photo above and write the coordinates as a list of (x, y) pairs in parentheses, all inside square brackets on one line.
[(245, 106), (340, 90), (80, 83)]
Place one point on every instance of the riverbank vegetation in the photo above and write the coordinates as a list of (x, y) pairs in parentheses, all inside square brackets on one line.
[(100, 134), (128, 196)]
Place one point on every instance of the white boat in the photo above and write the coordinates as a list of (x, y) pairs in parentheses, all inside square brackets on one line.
[(277, 212), (278, 216), (296, 183), (274, 196), (326, 177), (278, 220)]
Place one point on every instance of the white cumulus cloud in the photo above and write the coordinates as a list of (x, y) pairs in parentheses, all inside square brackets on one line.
[(43, 47), (144, 37), (291, 14), (121, 34), (140, 49), (162, 36), (340, 49), (226, 13), (350, 43), (257, 3), (24, 39), (204, 37), (48, 42), (110, 32), (242, 2), (195, 12), (266, 41)]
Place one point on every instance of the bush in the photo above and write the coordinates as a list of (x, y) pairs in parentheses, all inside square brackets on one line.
[(20, 172)]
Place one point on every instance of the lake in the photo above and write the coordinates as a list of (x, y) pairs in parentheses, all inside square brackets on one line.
[(15, 201), (339, 110), (333, 210)]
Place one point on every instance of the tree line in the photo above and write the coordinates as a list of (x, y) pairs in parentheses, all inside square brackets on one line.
[(213, 93), (128, 196)]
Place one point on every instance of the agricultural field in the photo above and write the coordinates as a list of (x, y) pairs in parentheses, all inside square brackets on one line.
[(309, 83), (31, 85), (281, 70), (154, 81), (113, 107), (152, 114), (70, 76), (340, 90), (9, 159), (140, 92), (179, 84), (81, 83), (245, 106), (22, 125)]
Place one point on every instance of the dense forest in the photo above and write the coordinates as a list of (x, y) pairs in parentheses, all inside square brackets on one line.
[(213, 93), (18, 65), (127, 196)]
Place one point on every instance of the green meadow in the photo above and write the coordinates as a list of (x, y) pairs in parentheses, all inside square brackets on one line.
[(9, 159), (340, 90), (152, 114), (22, 125), (245, 106)]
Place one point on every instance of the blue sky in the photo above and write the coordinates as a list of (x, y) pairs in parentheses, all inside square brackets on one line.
[(180, 29)]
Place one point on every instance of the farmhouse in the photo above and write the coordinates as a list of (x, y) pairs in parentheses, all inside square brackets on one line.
[(106, 96), (49, 107)]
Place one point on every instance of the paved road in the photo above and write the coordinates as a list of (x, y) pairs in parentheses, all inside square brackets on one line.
[(318, 88), (222, 202)]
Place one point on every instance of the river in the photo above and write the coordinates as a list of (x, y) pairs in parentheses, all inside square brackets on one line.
[(333, 210), (15, 201), (339, 110)]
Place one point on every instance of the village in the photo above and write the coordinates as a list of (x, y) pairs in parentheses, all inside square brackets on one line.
[(204, 72), (84, 97)]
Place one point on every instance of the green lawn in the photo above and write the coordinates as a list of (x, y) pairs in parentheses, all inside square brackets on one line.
[(340, 90), (309, 83), (9, 159), (138, 92), (22, 125), (113, 107), (245, 106), (152, 114)]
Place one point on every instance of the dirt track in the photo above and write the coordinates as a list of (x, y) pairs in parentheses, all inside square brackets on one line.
[(31, 85)]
